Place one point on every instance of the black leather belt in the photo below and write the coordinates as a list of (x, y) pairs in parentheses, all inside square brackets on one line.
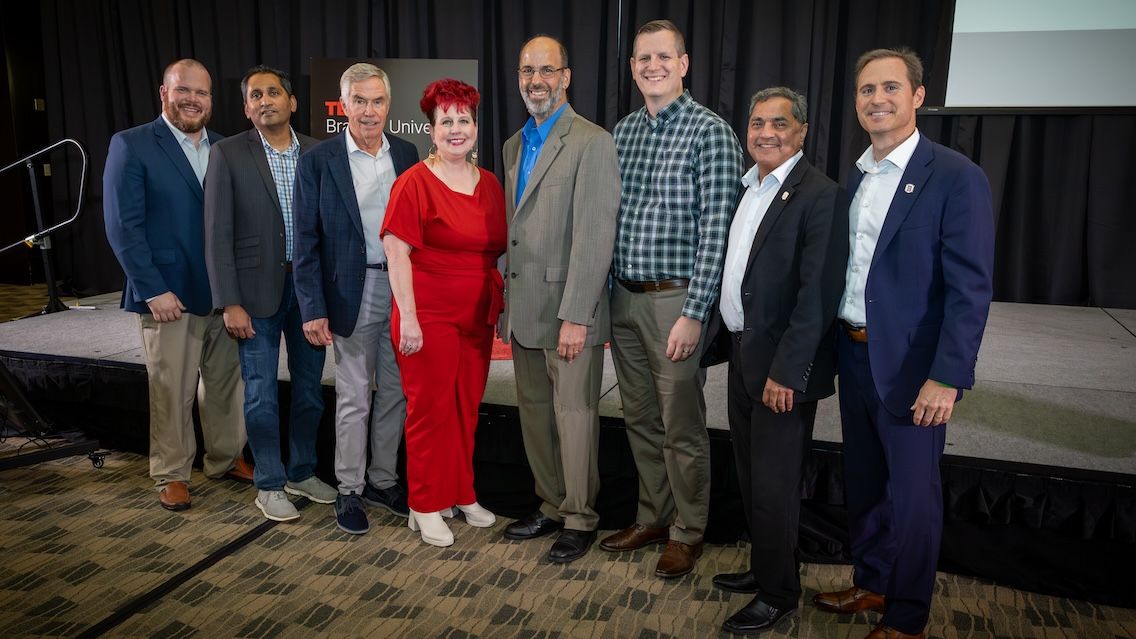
[(381, 266), (653, 286), (855, 333)]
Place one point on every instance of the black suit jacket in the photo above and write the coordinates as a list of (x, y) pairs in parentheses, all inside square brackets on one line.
[(244, 225), (793, 282)]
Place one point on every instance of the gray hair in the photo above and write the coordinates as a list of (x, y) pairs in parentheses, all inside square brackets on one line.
[(800, 108), (359, 72)]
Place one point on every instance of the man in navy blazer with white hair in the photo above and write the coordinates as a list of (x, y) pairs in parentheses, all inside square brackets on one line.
[(152, 203), (340, 274), (917, 294)]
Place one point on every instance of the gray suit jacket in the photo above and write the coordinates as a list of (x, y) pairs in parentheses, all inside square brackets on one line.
[(244, 226), (561, 234)]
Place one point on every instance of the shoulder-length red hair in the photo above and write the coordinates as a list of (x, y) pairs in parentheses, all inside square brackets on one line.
[(446, 93)]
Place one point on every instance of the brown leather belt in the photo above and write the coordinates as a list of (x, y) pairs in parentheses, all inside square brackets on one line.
[(287, 267), (855, 333), (653, 286)]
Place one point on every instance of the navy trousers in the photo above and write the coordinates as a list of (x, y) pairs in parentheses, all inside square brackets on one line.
[(893, 492)]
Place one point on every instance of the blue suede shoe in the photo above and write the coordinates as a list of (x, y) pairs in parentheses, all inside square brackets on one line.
[(350, 516)]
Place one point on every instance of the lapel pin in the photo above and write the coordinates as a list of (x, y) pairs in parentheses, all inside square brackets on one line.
[(909, 188), (784, 195)]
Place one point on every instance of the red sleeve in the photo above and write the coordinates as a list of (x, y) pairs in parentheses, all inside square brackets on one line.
[(404, 210)]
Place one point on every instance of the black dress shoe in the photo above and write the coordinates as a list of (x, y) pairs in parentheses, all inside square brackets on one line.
[(532, 526), (755, 617), (571, 545), (743, 582)]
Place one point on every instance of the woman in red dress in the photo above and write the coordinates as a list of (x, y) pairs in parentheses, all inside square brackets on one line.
[(443, 232)]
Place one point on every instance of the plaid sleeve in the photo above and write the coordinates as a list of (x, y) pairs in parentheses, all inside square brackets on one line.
[(718, 167)]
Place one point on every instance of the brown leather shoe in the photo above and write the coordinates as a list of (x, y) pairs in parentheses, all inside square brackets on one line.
[(849, 601), (241, 471), (678, 559), (886, 632), (634, 538), (174, 496)]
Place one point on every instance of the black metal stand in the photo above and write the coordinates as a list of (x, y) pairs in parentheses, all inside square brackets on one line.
[(54, 304)]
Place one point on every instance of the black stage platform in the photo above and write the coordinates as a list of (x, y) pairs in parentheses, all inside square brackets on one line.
[(1039, 480)]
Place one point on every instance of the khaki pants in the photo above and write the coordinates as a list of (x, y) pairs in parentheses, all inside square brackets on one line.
[(665, 413), (558, 402), (188, 358)]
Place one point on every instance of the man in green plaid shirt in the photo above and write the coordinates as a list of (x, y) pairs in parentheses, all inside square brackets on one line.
[(680, 165)]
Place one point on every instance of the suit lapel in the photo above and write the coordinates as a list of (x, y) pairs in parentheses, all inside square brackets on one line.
[(256, 149), (169, 144), (773, 213), (511, 179), (918, 171), (548, 152), (340, 170)]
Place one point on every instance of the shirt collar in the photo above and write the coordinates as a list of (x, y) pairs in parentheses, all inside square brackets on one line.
[(541, 130), (180, 135), (751, 180), (352, 147), (295, 144), (668, 113), (899, 156)]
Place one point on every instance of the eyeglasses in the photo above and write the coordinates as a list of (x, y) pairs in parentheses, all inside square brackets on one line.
[(545, 72)]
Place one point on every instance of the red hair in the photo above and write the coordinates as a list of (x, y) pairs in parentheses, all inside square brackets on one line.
[(445, 93)]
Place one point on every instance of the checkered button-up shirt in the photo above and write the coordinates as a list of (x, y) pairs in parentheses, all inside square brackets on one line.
[(680, 174), (283, 167)]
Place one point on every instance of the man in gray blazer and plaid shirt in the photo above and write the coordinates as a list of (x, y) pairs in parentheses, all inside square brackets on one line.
[(562, 195), (680, 165)]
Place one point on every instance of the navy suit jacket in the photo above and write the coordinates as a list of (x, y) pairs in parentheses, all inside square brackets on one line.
[(930, 284), (152, 208), (329, 253)]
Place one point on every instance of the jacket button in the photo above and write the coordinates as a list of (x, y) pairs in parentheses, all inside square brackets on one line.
[(513, 275), (514, 242), (746, 294)]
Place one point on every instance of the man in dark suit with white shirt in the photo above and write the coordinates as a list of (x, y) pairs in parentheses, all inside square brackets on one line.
[(342, 187), (781, 282), (248, 250)]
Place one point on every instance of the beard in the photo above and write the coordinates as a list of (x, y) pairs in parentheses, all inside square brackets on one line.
[(184, 122), (543, 108)]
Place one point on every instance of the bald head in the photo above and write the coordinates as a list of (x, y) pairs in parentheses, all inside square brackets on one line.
[(187, 96)]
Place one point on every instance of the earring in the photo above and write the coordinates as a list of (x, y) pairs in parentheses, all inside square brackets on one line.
[(473, 158), (433, 155)]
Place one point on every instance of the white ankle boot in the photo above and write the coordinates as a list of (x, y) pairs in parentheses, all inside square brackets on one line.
[(434, 529), (477, 516)]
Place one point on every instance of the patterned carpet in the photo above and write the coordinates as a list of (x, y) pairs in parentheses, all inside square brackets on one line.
[(79, 543)]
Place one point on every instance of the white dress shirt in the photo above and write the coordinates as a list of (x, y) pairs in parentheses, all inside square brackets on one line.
[(865, 219), (373, 176), (751, 211), (198, 155)]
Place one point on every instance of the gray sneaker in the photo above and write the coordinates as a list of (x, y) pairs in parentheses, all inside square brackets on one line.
[(275, 505), (313, 489)]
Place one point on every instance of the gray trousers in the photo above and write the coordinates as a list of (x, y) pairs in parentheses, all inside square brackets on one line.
[(558, 402), (665, 413), (365, 357)]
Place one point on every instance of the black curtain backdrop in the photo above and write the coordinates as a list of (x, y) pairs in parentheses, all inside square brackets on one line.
[(1059, 181)]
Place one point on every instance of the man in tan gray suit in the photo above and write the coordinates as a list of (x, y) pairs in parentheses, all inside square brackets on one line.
[(562, 196)]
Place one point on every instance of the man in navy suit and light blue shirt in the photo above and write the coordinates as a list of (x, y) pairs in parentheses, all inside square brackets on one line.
[(152, 203), (917, 294), (248, 248), (340, 271)]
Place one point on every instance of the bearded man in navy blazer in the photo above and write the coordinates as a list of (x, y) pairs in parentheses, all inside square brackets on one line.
[(152, 203), (917, 295), (340, 274)]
